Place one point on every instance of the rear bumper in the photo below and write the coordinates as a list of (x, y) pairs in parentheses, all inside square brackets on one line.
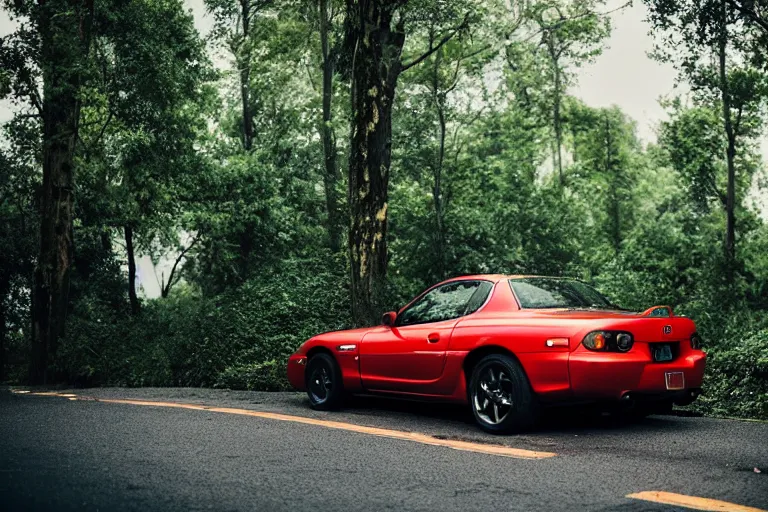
[(296, 365), (616, 376)]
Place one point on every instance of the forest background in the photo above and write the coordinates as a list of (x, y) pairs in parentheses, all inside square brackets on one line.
[(184, 209)]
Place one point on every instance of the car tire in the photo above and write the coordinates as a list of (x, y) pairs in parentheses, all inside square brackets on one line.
[(500, 396), (325, 387)]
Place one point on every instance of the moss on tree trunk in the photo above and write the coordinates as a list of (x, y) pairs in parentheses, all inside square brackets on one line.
[(375, 69)]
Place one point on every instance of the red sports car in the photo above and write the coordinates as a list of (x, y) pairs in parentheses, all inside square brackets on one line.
[(507, 345)]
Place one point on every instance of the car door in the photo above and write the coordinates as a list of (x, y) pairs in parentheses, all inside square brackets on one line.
[(410, 356)]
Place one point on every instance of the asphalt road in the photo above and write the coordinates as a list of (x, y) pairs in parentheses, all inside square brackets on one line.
[(62, 454)]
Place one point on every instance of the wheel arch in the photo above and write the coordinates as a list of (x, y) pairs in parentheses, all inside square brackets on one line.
[(319, 349), (347, 362), (525, 414), (474, 356)]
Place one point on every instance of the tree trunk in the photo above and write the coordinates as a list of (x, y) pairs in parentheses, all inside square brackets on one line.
[(244, 63), (4, 290), (375, 69), (331, 175), (64, 28), (730, 201), (613, 202), (558, 124), (437, 193), (575, 151), (134, 299)]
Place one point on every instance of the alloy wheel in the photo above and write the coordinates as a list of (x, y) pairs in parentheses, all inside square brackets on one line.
[(320, 384), (492, 395)]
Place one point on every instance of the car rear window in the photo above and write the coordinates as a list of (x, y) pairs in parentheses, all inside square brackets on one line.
[(547, 293)]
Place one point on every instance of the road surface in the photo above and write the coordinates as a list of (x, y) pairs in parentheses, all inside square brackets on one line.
[(193, 449)]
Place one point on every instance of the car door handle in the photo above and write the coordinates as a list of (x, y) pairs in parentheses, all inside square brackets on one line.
[(433, 337)]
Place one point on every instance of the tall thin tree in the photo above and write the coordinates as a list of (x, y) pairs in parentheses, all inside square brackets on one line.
[(374, 43), (327, 133), (64, 28)]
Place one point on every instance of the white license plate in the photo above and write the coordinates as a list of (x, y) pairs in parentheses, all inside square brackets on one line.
[(675, 380)]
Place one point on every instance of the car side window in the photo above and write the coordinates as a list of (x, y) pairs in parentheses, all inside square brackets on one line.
[(479, 297), (445, 302)]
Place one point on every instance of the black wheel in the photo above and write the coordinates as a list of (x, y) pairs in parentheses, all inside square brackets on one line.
[(324, 384), (501, 396)]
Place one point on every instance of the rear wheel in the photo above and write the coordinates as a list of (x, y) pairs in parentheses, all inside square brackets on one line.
[(325, 388), (500, 395)]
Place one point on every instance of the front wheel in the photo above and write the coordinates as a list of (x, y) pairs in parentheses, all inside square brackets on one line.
[(500, 395), (324, 383)]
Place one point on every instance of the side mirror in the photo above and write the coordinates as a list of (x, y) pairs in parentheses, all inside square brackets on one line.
[(388, 318)]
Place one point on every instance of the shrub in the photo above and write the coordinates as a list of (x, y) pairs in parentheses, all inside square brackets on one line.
[(239, 339), (736, 380)]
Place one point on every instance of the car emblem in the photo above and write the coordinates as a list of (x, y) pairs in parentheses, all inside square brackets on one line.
[(667, 329)]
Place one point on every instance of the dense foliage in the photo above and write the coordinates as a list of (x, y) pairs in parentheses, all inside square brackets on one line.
[(232, 181)]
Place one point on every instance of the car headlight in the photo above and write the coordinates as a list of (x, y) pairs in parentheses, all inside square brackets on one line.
[(611, 341), (695, 341)]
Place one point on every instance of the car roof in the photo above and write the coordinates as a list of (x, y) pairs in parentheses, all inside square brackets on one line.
[(493, 277)]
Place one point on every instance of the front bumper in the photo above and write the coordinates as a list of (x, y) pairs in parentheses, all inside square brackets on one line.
[(612, 376), (297, 363)]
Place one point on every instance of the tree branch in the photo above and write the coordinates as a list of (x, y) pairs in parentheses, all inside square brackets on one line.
[(27, 116), (103, 128), (562, 21), (309, 75), (749, 13), (35, 97), (433, 48), (166, 288), (256, 7)]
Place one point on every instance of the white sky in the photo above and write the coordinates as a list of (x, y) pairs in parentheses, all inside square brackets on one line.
[(624, 75)]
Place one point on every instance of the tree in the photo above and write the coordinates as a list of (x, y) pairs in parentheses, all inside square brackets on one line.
[(375, 34), (446, 90), (606, 170), (52, 44), (114, 78), (236, 25), (695, 145), (18, 233), (140, 129), (327, 133), (692, 31), (571, 33)]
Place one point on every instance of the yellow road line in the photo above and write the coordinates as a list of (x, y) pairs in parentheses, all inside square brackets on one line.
[(490, 449), (681, 500), (42, 393)]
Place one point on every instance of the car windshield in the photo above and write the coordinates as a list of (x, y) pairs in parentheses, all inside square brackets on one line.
[(547, 293)]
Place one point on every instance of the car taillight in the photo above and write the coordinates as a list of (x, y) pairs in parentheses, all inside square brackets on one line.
[(594, 341), (624, 341), (610, 341), (695, 341)]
